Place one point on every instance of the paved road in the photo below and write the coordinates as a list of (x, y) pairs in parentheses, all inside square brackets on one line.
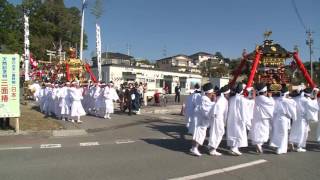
[(143, 147)]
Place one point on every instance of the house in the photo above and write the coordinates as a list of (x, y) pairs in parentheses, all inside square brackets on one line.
[(199, 57), (179, 63), (113, 58), (143, 63)]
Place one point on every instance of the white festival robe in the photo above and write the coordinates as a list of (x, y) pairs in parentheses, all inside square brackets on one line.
[(48, 104), (318, 130), (110, 95), (42, 99), (191, 109), (239, 118), (36, 93), (203, 119), (307, 111), (55, 98), (219, 116), (99, 99), (261, 123), (76, 106), (284, 111), (188, 111), (64, 101)]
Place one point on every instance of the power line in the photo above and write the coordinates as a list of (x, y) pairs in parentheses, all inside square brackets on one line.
[(298, 14)]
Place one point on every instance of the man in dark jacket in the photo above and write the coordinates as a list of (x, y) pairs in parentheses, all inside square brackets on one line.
[(177, 90)]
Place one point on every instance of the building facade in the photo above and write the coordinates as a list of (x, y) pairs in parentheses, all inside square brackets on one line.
[(155, 78), (113, 58)]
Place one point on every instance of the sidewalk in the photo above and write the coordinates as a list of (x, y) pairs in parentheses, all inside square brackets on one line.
[(95, 124)]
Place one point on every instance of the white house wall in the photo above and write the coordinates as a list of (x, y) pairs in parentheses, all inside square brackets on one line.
[(150, 76)]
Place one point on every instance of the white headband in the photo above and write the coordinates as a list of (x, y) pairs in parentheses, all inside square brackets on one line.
[(227, 92), (209, 91), (263, 90)]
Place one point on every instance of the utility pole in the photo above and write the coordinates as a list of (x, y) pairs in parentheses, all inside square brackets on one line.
[(82, 27), (309, 43)]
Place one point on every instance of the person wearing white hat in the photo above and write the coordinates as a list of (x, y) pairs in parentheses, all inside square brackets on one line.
[(238, 119), (262, 115), (204, 119), (219, 118), (109, 95), (307, 111), (285, 110), (76, 107)]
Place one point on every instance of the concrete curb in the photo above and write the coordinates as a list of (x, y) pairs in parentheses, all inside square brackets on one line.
[(162, 111), (47, 133), (65, 133)]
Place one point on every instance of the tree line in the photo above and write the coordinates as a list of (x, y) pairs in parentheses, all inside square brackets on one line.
[(51, 24)]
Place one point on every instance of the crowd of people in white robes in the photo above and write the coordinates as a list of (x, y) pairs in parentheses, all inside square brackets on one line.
[(254, 114), (69, 101)]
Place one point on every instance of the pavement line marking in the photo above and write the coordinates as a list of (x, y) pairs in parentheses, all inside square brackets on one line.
[(15, 148), (222, 170), (89, 144), (124, 141), (46, 146)]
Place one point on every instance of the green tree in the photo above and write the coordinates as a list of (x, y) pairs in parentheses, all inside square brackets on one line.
[(97, 10), (51, 26), (219, 55), (10, 29)]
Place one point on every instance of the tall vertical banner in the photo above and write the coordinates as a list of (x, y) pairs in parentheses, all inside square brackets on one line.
[(26, 48), (98, 37), (9, 85)]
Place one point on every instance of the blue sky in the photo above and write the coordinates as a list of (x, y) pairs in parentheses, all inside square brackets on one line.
[(189, 26)]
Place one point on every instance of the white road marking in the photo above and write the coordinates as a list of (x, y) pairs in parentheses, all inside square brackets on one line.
[(89, 144), (14, 148), (218, 171), (45, 146), (124, 141)]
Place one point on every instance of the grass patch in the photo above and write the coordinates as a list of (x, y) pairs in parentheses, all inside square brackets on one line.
[(33, 120)]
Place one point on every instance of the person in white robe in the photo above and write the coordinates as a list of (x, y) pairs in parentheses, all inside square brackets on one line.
[(55, 98), (284, 111), (318, 129), (110, 95), (86, 96), (238, 119), (193, 100), (99, 99), (48, 105), (204, 119), (219, 118), (42, 98), (262, 115), (76, 107), (307, 112), (36, 88), (65, 101), (92, 100)]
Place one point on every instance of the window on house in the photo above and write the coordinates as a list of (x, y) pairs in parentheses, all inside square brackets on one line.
[(183, 84), (159, 83)]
